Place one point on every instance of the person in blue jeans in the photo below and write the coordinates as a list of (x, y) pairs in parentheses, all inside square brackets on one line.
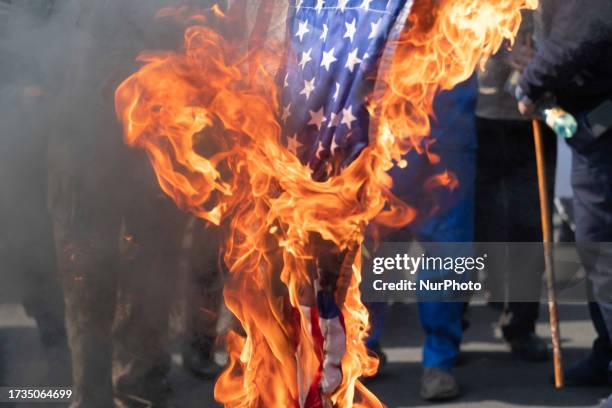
[(445, 214)]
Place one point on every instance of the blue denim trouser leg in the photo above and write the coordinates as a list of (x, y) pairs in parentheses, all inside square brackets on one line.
[(453, 222), (444, 215), (442, 321)]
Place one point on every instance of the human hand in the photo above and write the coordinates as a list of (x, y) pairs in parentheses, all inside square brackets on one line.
[(526, 107)]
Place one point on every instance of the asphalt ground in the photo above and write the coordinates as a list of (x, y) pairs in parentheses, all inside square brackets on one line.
[(489, 375)]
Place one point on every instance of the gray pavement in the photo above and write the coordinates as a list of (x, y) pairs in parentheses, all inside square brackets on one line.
[(489, 375)]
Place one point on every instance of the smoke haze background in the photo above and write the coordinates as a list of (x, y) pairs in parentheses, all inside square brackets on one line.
[(60, 62)]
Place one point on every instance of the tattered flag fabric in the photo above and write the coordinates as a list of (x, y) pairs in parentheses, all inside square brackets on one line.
[(336, 51)]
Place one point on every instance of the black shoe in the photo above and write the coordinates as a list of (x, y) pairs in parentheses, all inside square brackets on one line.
[(592, 371), (529, 347), (200, 363)]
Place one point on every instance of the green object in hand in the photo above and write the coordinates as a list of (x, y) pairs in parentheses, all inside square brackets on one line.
[(561, 122)]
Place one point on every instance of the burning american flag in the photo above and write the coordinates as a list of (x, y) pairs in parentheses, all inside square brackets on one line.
[(336, 49), (279, 121)]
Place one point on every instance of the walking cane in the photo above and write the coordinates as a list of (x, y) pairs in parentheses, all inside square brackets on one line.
[(548, 255)]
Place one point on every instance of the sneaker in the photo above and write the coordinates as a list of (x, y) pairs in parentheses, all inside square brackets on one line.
[(438, 385), (529, 347), (592, 371)]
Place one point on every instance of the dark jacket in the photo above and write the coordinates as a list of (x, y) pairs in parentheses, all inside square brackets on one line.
[(495, 102), (574, 58)]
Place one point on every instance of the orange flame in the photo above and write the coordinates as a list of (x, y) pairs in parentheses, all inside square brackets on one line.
[(208, 118)]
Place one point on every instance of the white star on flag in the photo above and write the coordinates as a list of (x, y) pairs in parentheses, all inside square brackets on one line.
[(334, 119), (317, 118), (375, 27), (286, 112), (308, 88), (302, 29), (324, 33), (350, 30), (366, 4), (319, 6), (328, 58), (347, 116), (352, 60), (334, 145), (342, 4), (306, 58), (293, 144)]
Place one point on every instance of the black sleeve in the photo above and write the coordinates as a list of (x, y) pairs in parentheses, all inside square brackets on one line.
[(577, 28)]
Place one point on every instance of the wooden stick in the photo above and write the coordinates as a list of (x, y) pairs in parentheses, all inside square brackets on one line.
[(548, 255)]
